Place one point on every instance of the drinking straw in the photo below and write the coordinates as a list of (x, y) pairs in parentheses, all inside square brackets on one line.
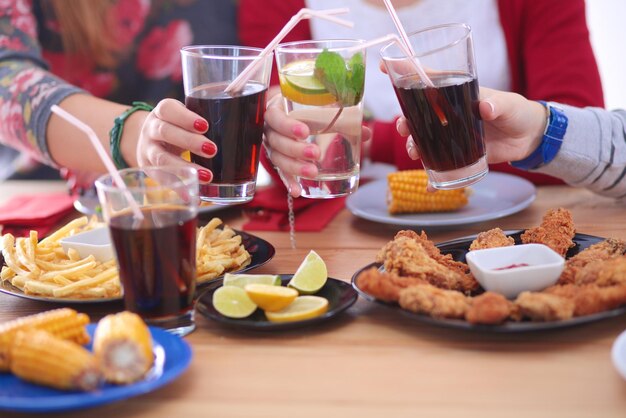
[(238, 83), (407, 44), (106, 160)]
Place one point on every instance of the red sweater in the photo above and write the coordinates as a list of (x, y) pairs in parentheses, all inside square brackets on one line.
[(549, 51)]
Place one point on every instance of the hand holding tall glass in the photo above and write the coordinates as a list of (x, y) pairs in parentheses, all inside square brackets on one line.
[(156, 255), (322, 84), (235, 120), (443, 120)]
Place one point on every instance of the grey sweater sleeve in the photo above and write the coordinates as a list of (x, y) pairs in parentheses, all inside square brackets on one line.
[(593, 153)]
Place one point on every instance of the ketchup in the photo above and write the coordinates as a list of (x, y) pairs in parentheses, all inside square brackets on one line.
[(512, 266)]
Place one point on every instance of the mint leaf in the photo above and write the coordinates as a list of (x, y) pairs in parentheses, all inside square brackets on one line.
[(330, 70), (356, 78)]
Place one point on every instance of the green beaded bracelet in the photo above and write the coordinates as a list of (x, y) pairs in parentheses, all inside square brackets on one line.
[(116, 132)]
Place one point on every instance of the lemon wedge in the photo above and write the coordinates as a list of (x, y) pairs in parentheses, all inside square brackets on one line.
[(241, 280), (233, 302), (271, 298), (298, 84), (311, 275), (304, 307)]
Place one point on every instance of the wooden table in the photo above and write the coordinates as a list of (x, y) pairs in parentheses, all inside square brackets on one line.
[(373, 362)]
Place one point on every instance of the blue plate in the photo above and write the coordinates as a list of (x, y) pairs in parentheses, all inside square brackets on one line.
[(172, 357)]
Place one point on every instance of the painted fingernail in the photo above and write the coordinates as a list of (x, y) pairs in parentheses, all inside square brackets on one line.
[(410, 148), (209, 148), (491, 106), (310, 152), (205, 175), (308, 171), (298, 131), (200, 125)]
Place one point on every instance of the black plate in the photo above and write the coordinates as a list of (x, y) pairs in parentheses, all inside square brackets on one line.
[(339, 294), (260, 250), (458, 248)]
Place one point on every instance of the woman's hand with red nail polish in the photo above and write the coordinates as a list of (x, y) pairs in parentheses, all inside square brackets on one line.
[(170, 130)]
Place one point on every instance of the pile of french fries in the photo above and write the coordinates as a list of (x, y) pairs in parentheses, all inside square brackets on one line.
[(43, 268), (218, 251)]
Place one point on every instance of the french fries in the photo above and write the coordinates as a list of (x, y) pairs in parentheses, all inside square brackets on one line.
[(218, 251), (44, 269)]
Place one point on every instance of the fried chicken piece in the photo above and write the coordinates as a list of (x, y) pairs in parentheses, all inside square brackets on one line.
[(489, 308), (491, 239), (589, 299), (406, 257), (385, 286), (603, 273), (556, 231), (430, 300), (539, 306), (576, 270)]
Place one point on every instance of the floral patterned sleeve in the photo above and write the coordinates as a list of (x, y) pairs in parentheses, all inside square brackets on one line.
[(27, 89)]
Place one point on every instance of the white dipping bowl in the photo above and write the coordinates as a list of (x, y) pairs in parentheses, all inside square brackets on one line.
[(96, 242), (492, 268)]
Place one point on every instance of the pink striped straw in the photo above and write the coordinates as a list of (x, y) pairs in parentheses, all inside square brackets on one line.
[(407, 44), (238, 83), (106, 160)]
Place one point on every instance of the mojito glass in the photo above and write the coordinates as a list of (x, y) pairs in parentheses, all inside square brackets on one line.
[(322, 85)]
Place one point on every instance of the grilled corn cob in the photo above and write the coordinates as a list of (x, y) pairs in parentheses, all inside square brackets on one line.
[(407, 194), (123, 346), (64, 323), (39, 357)]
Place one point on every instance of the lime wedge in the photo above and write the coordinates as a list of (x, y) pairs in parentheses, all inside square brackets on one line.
[(304, 307), (311, 275), (233, 302), (271, 298), (241, 280)]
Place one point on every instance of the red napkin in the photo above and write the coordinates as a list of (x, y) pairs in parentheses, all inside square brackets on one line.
[(268, 211), (38, 212)]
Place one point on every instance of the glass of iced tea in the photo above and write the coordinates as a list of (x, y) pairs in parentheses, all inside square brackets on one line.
[(235, 121), (156, 255), (322, 85), (443, 117)]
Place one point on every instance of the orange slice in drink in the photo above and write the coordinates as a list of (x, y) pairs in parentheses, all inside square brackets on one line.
[(298, 84)]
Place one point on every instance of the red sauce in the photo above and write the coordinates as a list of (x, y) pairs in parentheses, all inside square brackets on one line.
[(513, 266)]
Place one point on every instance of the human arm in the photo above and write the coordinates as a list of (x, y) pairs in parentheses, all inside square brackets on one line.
[(592, 154)]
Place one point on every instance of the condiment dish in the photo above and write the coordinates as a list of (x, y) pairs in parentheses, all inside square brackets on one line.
[(96, 242), (512, 270)]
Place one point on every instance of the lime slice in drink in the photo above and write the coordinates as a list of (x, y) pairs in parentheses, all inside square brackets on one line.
[(241, 280), (271, 298), (311, 275), (233, 302), (298, 84), (304, 307)]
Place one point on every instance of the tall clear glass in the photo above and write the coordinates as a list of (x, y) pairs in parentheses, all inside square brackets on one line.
[(322, 85), (235, 122), (444, 119), (156, 256)]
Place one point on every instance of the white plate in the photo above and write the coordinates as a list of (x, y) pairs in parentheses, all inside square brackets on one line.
[(495, 196), (618, 354)]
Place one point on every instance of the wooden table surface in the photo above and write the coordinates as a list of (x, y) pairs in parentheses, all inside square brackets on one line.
[(374, 362)]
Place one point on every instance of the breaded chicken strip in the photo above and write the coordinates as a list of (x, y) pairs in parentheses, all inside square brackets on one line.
[(556, 231), (406, 257), (543, 307), (489, 308), (589, 299), (384, 286), (491, 239), (430, 300), (585, 266)]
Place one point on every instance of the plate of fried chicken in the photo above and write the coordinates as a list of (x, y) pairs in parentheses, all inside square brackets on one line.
[(433, 284)]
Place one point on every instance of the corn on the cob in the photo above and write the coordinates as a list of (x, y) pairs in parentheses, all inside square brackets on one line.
[(123, 346), (407, 194), (39, 357), (64, 323)]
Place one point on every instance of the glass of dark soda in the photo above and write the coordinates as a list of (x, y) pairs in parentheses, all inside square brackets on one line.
[(442, 112), (156, 252), (235, 118)]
